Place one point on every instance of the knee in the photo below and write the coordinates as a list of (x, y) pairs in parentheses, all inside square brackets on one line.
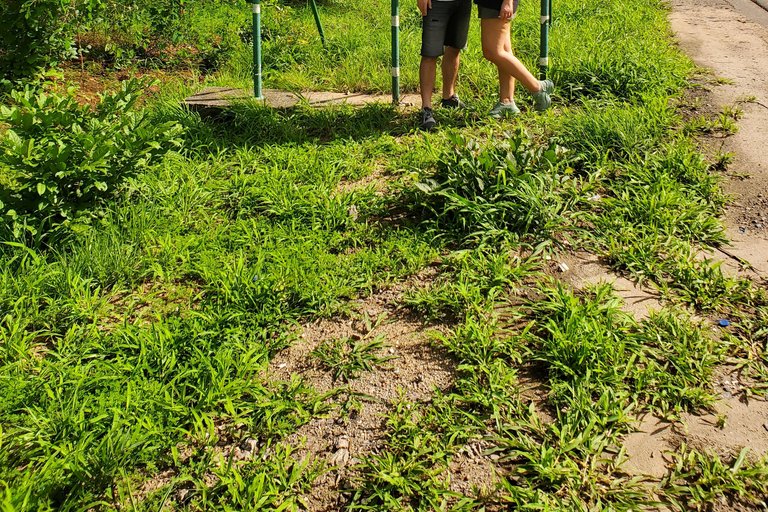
[(451, 52), (429, 61), (491, 54)]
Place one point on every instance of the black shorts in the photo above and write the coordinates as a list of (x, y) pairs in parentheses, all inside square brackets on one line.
[(446, 24), (487, 12)]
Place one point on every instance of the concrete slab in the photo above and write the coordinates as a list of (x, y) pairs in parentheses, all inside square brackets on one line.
[(213, 101)]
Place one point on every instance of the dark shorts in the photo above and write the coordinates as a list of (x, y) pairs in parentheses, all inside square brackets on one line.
[(446, 24), (491, 13)]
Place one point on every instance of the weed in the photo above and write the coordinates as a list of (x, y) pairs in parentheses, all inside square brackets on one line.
[(347, 358), (697, 479)]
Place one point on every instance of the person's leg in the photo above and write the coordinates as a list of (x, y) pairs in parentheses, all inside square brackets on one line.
[(506, 81), (427, 73), (450, 69), (456, 34), (434, 26), (494, 33)]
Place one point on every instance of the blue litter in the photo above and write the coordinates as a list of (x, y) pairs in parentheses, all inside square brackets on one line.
[(724, 323)]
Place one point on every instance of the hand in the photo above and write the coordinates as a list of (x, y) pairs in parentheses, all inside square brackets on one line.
[(506, 10), (424, 5)]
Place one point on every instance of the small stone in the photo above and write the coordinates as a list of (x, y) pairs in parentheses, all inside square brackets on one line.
[(765, 426), (563, 267), (282, 365), (391, 350), (758, 225), (249, 444), (184, 496), (340, 458), (346, 485), (353, 212), (342, 442), (495, 457)]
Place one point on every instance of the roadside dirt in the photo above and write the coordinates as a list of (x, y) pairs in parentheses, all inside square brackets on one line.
[(735, 50)]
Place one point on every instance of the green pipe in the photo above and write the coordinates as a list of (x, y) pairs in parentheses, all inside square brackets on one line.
[(395, 51), (546, 13), (257, 50), (317, 20)]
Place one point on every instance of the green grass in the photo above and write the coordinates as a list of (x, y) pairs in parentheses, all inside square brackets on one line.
[(137, 345), (347, 358)]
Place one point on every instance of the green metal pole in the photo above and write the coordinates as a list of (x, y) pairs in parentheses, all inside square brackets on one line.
[(395, 51), (317, 20), (546, 13), (257, 50)]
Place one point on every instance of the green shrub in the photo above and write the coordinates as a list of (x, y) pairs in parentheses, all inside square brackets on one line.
[(33, 35), (59, 159)]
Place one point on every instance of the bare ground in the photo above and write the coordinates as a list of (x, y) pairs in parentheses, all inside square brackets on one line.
[(420, 367)]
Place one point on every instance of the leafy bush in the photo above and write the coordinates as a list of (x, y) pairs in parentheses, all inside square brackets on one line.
[(33, 35), (59, 159)]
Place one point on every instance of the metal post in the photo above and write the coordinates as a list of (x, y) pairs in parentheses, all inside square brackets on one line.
[(395, 51), (317, 20), (257, 50), (546, 13)]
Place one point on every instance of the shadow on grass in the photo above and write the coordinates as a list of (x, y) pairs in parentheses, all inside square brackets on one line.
[(256, 125)]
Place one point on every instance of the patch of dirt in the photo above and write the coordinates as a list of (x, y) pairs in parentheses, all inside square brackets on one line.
[(418, 369), (96, 79), (647, 447), (583, 268), (734, 424), (379, 179), (734, 48)]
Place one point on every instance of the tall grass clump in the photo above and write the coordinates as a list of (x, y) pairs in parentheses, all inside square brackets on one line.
[(484, 193)]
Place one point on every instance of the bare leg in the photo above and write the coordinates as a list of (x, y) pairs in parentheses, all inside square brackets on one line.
[(427, 73), (506, 81), (450, 68), (493, 34)]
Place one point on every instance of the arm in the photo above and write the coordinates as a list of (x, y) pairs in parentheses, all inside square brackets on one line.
[(423, 6)]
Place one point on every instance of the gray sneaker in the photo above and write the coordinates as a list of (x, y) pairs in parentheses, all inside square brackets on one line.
[(428, 122), (541, 99), (504, 109)]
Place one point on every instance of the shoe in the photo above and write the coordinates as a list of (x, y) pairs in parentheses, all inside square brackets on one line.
[(504, 109), (541, 99), (452, 102), (428, 122)]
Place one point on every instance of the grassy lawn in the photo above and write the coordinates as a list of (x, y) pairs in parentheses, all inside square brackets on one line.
[(137, 327)]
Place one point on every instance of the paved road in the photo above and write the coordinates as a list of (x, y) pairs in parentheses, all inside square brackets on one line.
[(762, 3), (754, 10)]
